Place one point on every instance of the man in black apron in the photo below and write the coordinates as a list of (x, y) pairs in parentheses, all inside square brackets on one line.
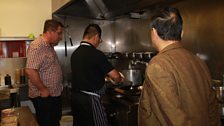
[(89, 69)]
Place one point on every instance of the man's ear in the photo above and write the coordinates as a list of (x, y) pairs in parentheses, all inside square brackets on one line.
[(155, 32), (95, 37), (182, 33)]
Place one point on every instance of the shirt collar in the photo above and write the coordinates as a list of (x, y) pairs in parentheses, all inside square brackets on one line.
[(45, 43), (86, 43)]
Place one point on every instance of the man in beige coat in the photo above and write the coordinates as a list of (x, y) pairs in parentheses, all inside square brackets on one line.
[(177, 90)]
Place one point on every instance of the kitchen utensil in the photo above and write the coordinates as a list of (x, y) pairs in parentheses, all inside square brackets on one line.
[(70, 39)]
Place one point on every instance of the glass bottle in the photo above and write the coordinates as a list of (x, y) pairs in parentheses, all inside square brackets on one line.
[(8, 81)]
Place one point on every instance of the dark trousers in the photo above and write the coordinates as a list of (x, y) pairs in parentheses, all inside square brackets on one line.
[(82, 110), (48, 110), (87, 110)]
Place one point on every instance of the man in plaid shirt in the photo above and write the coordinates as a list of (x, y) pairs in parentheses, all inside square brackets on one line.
[(45, 75)]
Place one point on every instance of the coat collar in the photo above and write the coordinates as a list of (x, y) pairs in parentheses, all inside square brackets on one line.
[(171, 46)]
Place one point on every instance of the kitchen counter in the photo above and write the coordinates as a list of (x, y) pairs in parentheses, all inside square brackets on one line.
[(13, 97), (26, 117)]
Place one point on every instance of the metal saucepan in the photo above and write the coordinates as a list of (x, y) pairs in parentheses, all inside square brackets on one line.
[(133, 75)]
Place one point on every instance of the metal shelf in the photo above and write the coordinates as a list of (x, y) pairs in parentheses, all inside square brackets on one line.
[(5, 39)]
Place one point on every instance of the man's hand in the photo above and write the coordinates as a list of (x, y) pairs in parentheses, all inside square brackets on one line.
[(115, 77), (34, 77), (44, 92)]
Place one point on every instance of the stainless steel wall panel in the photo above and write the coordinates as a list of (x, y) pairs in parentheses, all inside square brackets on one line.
[(132, 35), (203, 32)]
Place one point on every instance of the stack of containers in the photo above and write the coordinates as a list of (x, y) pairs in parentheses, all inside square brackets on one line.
[(9, 117)]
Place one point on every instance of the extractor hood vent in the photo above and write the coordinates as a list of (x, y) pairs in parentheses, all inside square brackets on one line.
[(109, 9)]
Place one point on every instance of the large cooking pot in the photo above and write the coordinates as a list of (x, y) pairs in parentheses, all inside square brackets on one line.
[(133, 75)]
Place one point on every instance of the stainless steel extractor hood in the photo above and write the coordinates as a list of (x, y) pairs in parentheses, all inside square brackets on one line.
[(109, 9)]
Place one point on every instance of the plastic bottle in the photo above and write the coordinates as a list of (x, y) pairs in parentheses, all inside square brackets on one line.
[(17, 76)]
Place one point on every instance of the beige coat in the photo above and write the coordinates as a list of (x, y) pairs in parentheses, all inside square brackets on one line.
[(177, 91)]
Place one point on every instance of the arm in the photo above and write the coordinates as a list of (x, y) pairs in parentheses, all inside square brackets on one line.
[(36, 81), (115, 76), (165, 89)]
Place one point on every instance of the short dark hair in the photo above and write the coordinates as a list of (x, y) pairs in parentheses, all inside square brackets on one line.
[(168, 24), (52, 25), (91, 30)]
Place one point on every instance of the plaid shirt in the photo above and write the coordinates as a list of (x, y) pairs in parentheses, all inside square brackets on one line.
[(42, 57)]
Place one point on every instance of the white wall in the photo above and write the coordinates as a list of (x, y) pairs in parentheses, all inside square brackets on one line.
[(56, 4), (22, 17)]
